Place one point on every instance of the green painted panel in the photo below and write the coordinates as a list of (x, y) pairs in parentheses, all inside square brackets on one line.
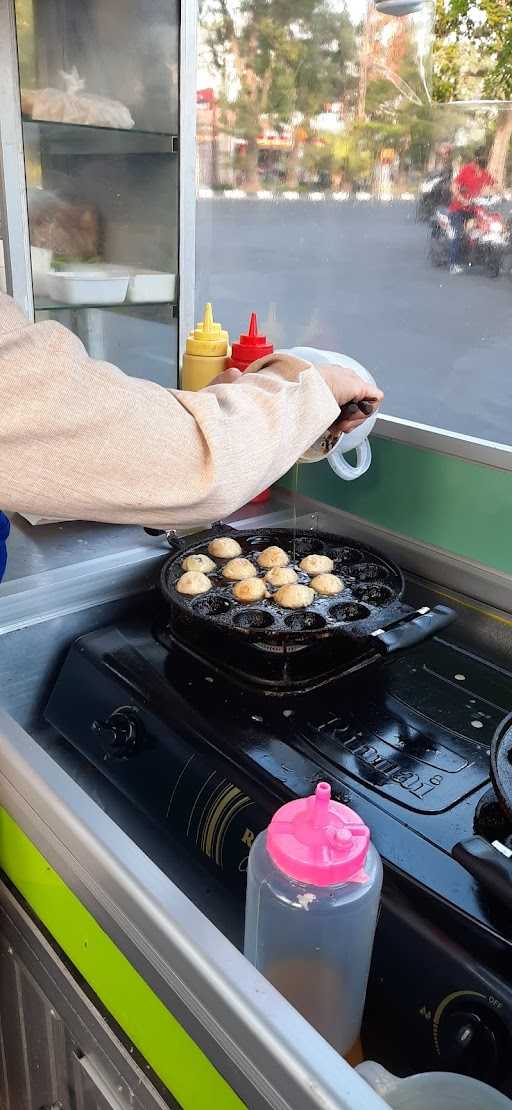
[(171, 1052), (460, 506)]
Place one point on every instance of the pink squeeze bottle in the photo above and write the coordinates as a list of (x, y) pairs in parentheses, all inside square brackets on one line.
[(313, 890)]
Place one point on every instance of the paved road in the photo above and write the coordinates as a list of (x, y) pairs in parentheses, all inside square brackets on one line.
[(355, 277)]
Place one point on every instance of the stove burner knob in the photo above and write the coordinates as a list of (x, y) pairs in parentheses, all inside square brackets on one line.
[(470, 1043), (122, 731), (490, 820)]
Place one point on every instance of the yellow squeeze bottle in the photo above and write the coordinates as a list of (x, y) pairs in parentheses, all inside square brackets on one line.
[(206, 353)]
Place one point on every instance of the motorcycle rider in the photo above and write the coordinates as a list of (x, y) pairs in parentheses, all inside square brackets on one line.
[(436, 190), (472, 181), (444, 166)]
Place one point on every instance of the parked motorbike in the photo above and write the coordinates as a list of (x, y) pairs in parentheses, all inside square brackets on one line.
[(485, 240), (434, 192)]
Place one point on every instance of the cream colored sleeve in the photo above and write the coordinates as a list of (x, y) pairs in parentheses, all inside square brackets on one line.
[(79, 439)]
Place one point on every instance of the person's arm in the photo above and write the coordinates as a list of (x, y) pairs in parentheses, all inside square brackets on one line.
[(458, 185), (80, 439)]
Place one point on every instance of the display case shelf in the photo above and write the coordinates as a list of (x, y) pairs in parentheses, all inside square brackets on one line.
[(79, 192), (44, 304), (82, 139)]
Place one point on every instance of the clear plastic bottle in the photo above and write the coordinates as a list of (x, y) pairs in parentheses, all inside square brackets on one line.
[(313, 890)]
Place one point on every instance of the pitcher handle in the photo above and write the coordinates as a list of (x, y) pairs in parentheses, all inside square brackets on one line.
[(344, 469), (380, 1080)]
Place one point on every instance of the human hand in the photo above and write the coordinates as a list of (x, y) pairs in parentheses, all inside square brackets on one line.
[(348, 389), (356, 397)]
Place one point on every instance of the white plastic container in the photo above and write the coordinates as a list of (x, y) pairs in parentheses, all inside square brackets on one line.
[(151, 286), (41, 263), (313, 890), (432, 1090), (87, 286), (41, 269), (357, 440)]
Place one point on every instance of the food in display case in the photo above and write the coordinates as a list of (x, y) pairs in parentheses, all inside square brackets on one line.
[(73, 105), (102, 174), (70, 230)]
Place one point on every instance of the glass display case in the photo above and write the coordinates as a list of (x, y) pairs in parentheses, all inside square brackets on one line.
[(90, 118)]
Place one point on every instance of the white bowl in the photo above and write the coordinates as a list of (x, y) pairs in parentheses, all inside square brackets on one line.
[(87, 287)]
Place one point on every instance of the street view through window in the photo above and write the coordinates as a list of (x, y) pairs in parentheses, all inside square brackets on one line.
[(355, 189)]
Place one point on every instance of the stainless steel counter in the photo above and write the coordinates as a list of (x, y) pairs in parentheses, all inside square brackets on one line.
[(36, 549), (64, 581)]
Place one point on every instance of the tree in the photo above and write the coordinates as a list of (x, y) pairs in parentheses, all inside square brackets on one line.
[(475, 44), (288, 58), (396, 117)]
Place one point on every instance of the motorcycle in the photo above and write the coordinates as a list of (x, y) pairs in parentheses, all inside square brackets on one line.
[(434, 192), (485, 240)]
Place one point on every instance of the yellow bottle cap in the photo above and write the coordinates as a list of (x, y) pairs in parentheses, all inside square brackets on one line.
[(208, 338)]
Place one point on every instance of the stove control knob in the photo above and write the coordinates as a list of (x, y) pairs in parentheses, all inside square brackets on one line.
[(471, 1040), (122, 733)]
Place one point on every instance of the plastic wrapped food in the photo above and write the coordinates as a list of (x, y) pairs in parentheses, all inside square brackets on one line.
[(73, 105)]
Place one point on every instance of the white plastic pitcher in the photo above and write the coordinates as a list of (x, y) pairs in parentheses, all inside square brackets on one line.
[(432, 1090), (347, 441)]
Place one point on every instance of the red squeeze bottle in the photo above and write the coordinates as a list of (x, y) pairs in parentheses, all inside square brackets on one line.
[(249, 348)]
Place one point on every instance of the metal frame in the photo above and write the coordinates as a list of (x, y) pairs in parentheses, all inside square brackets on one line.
[(13, 189), (443, 569), (187, 171), (442, 441)]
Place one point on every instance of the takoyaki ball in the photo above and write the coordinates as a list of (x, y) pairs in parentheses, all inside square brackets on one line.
[(251, 589), (199, 562), (273, 557), (327, 584), (294, 596), (280, 576), (224, 547), (192, 583), (238, 569), (317, 564)]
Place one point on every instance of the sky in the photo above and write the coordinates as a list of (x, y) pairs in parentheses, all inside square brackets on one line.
[(355, 8)]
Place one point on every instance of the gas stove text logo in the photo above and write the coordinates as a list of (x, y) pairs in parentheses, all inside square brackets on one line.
[(390, 769)]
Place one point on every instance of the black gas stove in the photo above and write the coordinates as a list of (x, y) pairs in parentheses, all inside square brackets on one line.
[(405, 743)]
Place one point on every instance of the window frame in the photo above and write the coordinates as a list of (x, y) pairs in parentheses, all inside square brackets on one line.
[(444, 442)]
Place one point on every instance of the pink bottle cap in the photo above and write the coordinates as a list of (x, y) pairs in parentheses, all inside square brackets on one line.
[(319, 841)]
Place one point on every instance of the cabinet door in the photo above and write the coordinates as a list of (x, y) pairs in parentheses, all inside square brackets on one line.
[(93, 1091), (32, 1041), (56, 1051)]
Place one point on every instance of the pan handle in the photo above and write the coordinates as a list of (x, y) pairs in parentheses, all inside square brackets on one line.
[(169, 534), (491, 864), (176, 541), (417, 626)]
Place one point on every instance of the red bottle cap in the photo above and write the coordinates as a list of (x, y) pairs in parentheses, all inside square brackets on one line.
[(250, 347)]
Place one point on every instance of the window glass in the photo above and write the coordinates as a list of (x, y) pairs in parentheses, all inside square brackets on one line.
[(99, 102), (351, 210)]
